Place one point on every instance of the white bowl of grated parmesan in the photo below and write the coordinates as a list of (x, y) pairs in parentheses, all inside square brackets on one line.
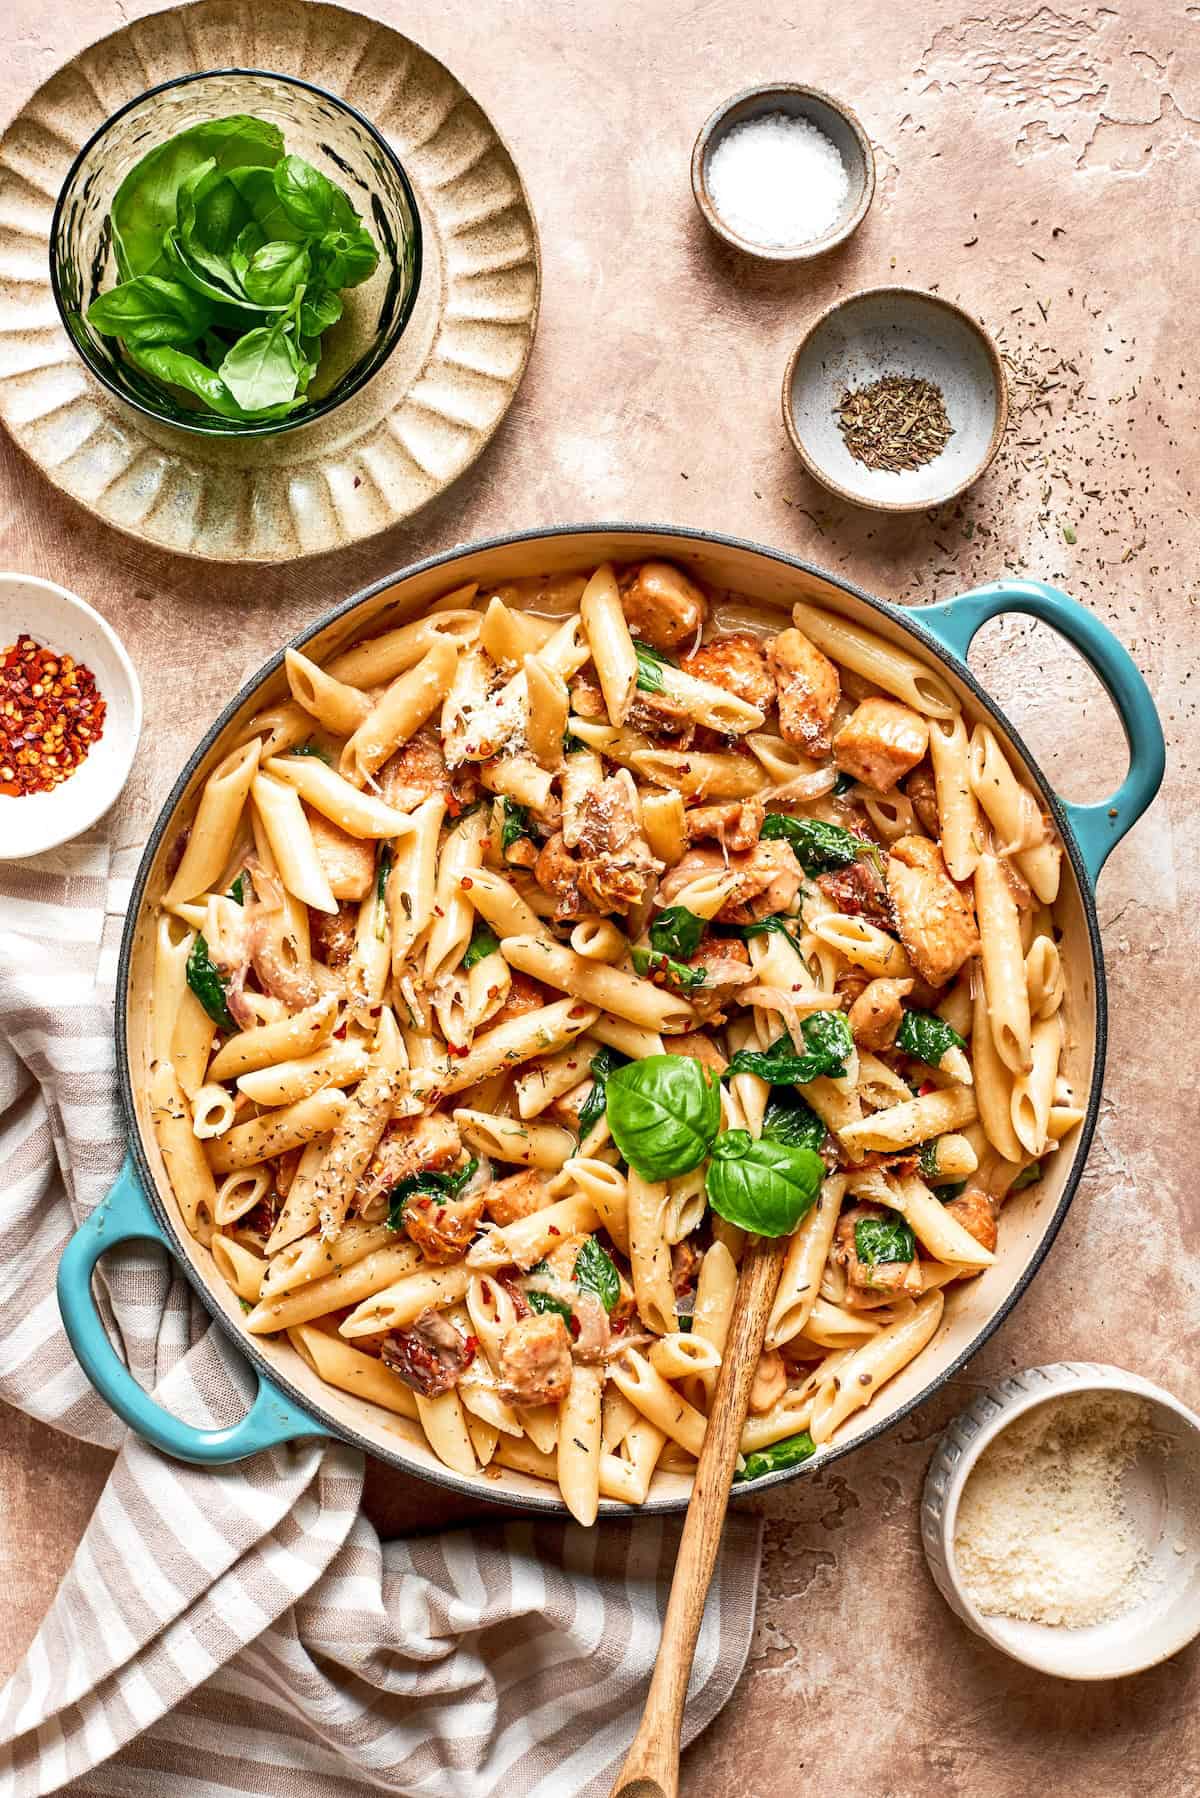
[(1061, 1520)]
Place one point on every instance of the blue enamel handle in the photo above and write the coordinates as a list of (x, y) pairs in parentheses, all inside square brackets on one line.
[(1097, 828), (124, 1216)]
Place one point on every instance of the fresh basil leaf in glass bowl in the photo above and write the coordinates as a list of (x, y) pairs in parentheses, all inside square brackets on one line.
[(235, 253)]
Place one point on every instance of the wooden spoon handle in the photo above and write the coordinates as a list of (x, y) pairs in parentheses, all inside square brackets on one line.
[(651, 1768)]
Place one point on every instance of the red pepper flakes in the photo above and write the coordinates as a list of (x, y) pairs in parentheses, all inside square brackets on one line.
[(51, 713)]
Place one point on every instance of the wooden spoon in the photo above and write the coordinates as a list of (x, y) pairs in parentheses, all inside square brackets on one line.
[(651, 1768)]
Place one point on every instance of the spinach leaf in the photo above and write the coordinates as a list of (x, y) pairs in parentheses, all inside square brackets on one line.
[(311, 748), (596, 1272), (946, 1194), (347, 258), (676, 931), (927, 1037), (150, 309), (319, 310), (648, 962), (664, 1114), (548, 1302), (843, 784), (778, 921), (572, 745), (514, 826), (790, 1452), (651, 663), (818, 846), (604, 1062), (275, 271), (206, 983), (383, 869), (879, 1240), (259, 370), (828, 1046), (1028, 1176), (237, 891), (431, 1185), (763, 1186), (482, 944), (789, 1119), (144, 206)]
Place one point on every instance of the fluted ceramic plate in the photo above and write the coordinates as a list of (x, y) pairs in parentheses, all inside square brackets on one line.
[(415, 427)]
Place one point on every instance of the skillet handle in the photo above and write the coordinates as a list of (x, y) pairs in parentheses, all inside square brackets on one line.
[(1097, 828), (123, 1215)]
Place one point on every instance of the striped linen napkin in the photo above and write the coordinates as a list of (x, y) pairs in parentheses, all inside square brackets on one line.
[(245, 1630)]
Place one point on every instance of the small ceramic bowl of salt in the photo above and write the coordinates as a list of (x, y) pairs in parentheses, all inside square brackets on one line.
[(783, 172), (1061, 1520)]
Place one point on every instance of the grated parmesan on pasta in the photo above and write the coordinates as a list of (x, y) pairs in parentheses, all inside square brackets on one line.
[(1043, 1532)]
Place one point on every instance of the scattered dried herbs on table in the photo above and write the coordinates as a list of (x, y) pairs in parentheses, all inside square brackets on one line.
[(896, 423)]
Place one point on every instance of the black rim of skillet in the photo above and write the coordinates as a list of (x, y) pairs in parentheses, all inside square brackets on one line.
[(685, 536), (268, 427)]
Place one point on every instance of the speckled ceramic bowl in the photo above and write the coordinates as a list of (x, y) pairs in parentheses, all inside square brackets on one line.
[(1161, 1490), (64, 623), (896, 331), (830, 116)]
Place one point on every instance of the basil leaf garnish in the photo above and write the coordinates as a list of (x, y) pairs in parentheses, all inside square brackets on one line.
[(664, 1114), (595, 1271), (762, 1186)]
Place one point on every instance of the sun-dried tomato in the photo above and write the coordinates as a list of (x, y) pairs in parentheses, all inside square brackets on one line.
[(51, 713)]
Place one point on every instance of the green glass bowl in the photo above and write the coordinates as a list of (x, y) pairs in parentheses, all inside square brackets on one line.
[(326, 132)]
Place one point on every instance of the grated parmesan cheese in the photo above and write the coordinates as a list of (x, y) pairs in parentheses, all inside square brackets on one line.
[(1043, 1532)]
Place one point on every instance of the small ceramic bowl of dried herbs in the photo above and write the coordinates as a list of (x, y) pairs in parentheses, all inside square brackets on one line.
[(895, 399), (235, 253)]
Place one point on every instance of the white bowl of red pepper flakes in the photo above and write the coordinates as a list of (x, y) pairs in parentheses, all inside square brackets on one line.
[(70, 716)]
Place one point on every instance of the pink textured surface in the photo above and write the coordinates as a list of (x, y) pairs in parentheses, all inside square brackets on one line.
[(1038, 164)]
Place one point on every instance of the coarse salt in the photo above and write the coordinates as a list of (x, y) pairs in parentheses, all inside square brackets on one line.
[(777, 180), (1042, 1531)]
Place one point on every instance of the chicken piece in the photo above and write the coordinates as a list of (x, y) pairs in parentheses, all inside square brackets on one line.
[(663, 606), (877, 1013), (726, 964), (699, 1048), (587, 700), (332, 934), (442, 1228), (923, 795), (432, 1357), (880, 742), (736, 661), (770, 1382), (518, 1196), (524, 995), (735, 824), (685, 1266), (666, 720), (349, 862), (409, 1146), (808, 690), (556, 871), (615, 868), (898, 1278), (535, 1361), (973, 1209), (415, 773), (593, 1337), (861, 892), (768, 879), (935, 922)]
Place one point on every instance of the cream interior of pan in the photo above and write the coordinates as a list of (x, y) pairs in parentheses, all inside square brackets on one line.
[(745, 576)]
